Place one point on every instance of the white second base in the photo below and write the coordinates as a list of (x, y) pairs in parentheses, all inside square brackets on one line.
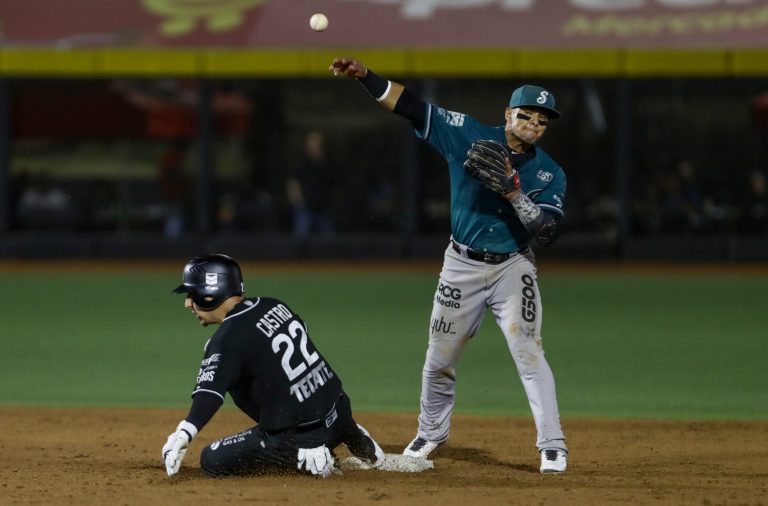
[(393, 462)]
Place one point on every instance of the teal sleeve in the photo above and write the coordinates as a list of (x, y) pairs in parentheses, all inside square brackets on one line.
[(552, 197), (450, 133)]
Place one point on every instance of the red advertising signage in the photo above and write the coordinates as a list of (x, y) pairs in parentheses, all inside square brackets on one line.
[(248, 24)]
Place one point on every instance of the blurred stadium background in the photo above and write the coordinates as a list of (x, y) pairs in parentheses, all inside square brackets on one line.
[(159, 128)]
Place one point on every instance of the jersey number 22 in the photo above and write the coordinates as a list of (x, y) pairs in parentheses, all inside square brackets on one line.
[(295, 329)]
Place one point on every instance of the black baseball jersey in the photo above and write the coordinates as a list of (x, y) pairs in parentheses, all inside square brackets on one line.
[(262, 355)]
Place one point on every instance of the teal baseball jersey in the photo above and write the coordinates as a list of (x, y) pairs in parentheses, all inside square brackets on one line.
[(481, 218)]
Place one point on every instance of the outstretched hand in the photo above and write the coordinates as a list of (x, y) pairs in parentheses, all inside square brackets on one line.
[(348, 67)]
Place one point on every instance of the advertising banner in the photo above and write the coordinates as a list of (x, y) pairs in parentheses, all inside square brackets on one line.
[(386, 24)]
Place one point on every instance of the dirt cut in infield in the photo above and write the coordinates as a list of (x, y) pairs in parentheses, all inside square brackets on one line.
[(112, 456)]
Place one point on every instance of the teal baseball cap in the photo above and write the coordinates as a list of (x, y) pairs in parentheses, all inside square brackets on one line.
[(529, 95)]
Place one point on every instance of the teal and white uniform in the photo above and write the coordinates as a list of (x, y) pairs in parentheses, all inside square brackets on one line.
[(482, 221)]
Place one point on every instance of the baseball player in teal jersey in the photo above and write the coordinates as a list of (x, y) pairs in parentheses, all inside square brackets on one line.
[(488, 262)]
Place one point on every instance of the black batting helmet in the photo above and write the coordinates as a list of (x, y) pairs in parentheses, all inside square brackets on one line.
[(211, 279)]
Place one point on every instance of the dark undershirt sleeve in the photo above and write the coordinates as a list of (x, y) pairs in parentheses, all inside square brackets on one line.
[(408, 105), (546, 228), (412, 107), (204, 406)]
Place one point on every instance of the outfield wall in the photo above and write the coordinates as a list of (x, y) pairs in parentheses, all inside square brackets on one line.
[(353, 247)]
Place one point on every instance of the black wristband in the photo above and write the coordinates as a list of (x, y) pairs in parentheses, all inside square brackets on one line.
[(376, 85)]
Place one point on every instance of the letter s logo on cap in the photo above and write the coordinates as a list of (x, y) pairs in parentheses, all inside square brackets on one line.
[(542, 97)]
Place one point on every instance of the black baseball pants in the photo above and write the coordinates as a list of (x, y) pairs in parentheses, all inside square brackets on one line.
[(258, 452)]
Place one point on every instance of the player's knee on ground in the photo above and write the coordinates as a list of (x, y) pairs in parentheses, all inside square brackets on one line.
[(220, 461), (214, 463)]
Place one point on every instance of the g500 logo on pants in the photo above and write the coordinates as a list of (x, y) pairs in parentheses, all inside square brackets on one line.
[(528, 306)]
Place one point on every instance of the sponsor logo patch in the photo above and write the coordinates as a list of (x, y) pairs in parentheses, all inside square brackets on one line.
[(237, 438), (204, 376), (331, 418), (455, 119), (528, 306), (448, 296), (212, 359), (442, 326)]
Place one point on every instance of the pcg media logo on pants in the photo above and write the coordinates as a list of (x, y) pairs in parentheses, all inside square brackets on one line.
[(448, 296)]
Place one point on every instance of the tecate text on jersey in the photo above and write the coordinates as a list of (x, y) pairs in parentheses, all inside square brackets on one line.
[(311, 381)]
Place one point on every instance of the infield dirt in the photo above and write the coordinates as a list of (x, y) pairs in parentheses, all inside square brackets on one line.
[(112, 456)]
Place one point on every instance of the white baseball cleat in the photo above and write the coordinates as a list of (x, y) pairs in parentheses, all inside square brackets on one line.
[(420, 448), (553, 460)]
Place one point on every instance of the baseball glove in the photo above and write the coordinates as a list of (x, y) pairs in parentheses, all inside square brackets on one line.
[(489, 162)]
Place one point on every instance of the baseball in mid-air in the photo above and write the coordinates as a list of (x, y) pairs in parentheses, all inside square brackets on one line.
[(318, 22)]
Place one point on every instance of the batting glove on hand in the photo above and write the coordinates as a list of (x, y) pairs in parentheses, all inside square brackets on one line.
[(175, 447), (318, 461)]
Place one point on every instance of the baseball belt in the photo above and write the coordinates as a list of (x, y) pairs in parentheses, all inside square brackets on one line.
[(482, 256)]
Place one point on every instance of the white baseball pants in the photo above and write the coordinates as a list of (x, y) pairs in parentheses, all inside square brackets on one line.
[(465, 290)]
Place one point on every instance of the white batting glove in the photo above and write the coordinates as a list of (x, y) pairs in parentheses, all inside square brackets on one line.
[(318, 461), (175, 447)]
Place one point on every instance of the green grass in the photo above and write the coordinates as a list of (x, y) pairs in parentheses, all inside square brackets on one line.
[(648, 346)]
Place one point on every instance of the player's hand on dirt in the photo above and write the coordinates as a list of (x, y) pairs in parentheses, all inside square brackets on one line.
[(174, 455), (348, 67), (175, 447), (317, 461)]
